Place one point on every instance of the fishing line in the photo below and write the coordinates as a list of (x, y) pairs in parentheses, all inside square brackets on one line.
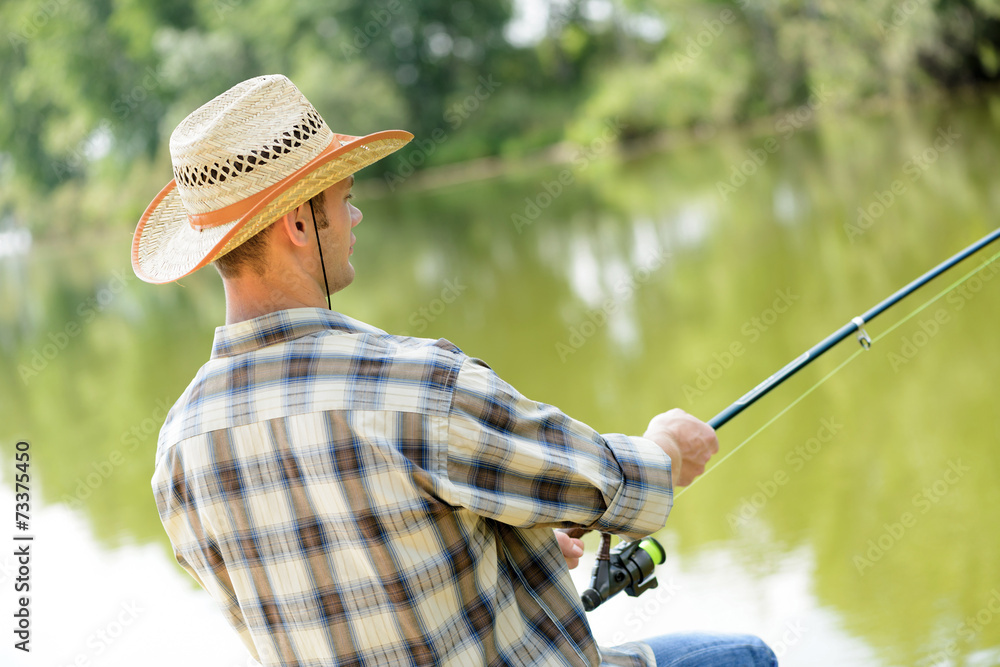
[(851, 358), (634, 562)]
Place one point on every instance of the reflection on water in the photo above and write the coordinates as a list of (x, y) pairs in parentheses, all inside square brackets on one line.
[(15, 241), (716, 590), (119, 607), (862, 520)]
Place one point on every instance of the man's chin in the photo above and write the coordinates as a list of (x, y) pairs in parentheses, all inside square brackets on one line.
[(344, 280)]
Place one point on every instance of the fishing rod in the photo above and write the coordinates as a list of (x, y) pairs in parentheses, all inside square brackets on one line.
[(857, 324), (629, 566)]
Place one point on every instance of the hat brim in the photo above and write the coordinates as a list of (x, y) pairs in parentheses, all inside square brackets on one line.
[(166, 247)]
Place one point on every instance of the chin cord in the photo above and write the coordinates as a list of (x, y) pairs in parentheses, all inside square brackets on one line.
[(319, 245)]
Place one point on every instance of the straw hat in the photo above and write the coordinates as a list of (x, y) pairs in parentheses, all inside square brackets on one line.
[(240, 162)]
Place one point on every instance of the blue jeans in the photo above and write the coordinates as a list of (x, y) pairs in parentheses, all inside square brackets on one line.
[(700, 649)]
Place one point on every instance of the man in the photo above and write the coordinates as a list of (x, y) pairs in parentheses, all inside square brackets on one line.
[(349, 497)]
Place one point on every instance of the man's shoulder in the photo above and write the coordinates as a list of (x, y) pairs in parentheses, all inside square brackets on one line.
[(340, 329), (372, 345), (363, 369)]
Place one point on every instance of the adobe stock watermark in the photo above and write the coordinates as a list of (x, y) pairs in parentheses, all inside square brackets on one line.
[(901, 13), (103, 638), (596, 318), (929, 327), (122, 106), (911, 345), (101, 470), (362, 36), (552, 190), (646, 610), (422, 318), (968, 630), (893, 533), (913, 171), (695, 46), (784, 127), (752, 330), (459, 112), (31, 24), (224, 7), (455, 115), (125, 104), (967, 291), (794, 630), (89, 145), (86, 312), (796, 458)]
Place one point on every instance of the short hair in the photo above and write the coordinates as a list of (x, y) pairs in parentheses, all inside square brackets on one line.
[(251, 255), (318, 204)]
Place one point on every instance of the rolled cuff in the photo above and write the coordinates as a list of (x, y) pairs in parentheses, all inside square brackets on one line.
[(645, 495)]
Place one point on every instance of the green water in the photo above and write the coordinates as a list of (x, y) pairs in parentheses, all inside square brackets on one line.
[(860, 528)]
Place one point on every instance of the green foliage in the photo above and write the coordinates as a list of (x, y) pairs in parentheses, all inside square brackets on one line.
[(93, 88)]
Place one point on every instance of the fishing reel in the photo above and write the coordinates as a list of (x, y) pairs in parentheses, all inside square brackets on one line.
[(629, 567)]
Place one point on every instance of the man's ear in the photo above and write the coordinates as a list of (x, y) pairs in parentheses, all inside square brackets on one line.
[(293, 226)]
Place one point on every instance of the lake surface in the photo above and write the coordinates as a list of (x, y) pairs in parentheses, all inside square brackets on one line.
[(860, 528)]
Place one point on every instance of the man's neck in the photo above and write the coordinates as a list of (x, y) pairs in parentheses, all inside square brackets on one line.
[(254, 296)]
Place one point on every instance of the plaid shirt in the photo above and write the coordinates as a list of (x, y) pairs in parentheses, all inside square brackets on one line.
[(349, 497)]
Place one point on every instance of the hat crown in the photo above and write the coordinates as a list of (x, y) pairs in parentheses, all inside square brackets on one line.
[(243, 141)]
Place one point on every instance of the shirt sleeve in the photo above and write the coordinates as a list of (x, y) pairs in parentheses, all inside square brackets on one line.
[(528, 464)]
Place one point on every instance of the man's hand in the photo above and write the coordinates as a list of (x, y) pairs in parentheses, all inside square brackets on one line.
[(571, 547), (688, 441)]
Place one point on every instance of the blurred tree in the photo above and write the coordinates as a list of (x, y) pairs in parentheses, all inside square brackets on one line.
[(94, 87)]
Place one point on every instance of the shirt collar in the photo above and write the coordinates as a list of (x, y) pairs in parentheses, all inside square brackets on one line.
[(281, 326)]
